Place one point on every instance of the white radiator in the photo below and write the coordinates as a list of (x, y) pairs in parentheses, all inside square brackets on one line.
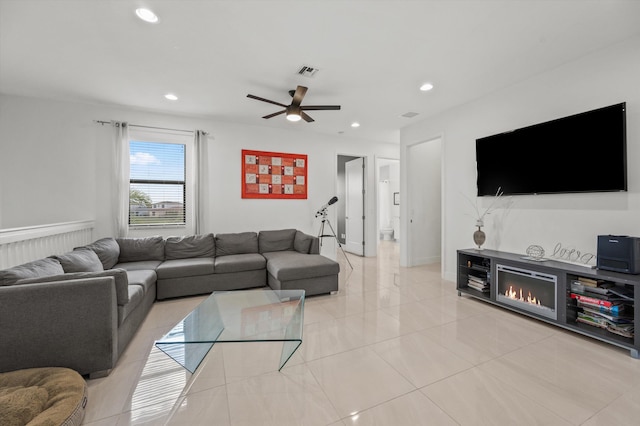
[(21, 245)]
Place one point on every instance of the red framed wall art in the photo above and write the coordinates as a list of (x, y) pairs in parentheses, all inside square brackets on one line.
[(273, 175)]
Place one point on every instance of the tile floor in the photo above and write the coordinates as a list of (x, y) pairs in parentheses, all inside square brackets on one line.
[(395, 346)]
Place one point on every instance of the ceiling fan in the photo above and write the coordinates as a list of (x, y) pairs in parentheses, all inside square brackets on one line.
[(295, 111)]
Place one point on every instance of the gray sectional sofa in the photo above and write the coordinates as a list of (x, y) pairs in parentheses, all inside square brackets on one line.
[(81, 309)]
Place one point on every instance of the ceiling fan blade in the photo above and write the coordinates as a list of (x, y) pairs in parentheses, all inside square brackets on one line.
[(275, 113), (298, 95), (306, 117), (320, 107), (265, 100)]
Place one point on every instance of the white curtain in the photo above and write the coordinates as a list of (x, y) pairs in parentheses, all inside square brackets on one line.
[(201, 176), (120, 181)]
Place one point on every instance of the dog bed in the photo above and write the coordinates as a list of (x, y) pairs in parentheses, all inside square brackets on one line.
[(50, 396)]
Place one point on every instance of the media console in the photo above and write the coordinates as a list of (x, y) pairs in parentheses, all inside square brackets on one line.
[(595, 303)]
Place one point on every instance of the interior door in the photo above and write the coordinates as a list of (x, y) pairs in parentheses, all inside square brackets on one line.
[(424, 203), (354, 206)]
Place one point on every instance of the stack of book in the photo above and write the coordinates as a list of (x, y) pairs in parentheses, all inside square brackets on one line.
[(605, 305), (478, 283)]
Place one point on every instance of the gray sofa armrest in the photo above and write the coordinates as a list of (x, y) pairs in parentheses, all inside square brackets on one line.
[(305, 243), (120, 276), (66, 324)]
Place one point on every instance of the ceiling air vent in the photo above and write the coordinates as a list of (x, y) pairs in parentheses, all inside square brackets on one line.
[(307, 71), (409, 114)]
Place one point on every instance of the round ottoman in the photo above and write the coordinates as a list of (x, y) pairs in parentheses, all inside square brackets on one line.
[(48, 396)]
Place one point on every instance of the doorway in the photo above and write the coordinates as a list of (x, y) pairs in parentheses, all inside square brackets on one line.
[(388, 198), (354, 206), (351, 220)]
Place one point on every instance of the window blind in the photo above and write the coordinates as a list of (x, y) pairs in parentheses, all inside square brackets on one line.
[(157, 183)]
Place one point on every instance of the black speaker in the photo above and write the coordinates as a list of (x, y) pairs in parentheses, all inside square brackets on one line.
[(619, 253)]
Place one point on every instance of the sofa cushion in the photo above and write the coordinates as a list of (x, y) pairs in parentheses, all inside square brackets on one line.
[(302, 242), (280, 240), (107, 250), (137, 249), (147, 265), (189, 247), (144, 278), (238, 243), (239, 263), (136, 294), (290, 265), (37, 268), (178, 268), (80, 260), (119, 275)]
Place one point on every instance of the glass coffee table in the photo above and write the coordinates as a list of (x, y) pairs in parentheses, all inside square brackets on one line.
[(237, 316)]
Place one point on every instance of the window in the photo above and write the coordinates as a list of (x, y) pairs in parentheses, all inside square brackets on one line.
[(157, 183)]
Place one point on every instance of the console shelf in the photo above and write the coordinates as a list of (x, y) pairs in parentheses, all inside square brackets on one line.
[(571, 301)]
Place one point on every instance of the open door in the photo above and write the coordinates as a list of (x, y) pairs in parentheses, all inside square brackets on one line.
[(423, 203), (354, 206)]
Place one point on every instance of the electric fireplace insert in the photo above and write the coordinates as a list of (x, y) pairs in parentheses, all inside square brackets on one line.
[(531, 291)]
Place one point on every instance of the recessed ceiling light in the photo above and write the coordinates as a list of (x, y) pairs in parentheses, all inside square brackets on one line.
[(355, 124), (147, 15), (426, 87), (171, 97)]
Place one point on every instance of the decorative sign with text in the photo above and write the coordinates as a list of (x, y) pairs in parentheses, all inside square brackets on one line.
[(571, 255), (273, 175)]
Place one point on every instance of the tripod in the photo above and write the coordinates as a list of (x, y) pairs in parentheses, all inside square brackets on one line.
[(321, 233)]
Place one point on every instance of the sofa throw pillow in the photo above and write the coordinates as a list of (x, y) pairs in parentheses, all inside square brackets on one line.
[(302, 242), (37, 268), (80, 260), (189, 247), (120, 276), (137, 249), (107, 250), (239, 243), (280, 240)]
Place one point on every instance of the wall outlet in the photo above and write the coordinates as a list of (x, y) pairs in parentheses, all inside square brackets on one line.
[(343, 236)]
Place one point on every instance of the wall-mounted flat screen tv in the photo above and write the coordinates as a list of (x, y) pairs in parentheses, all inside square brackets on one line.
[(585, 152)]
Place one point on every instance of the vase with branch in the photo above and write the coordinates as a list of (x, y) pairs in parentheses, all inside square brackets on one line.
[(479, 237)]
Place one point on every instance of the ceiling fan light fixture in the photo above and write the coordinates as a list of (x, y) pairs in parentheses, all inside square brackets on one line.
[(147, 15), (293, 117), (293, 113), (426, 87)]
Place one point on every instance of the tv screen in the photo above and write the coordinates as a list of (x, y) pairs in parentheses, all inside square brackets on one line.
[(585, 152)]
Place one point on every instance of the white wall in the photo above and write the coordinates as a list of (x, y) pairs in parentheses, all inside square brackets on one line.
[(55, 166), (602, 78)]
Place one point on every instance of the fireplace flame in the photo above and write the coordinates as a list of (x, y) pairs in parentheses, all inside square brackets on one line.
[(519, 296)]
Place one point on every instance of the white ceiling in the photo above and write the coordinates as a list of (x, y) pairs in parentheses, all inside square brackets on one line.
[(372, 55)]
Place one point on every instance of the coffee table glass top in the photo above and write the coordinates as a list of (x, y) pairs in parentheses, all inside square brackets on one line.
[(237, 316)]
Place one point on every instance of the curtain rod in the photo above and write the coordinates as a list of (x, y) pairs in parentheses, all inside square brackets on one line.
[(102, 122)]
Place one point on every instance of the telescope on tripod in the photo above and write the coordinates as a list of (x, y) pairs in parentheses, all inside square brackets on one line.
[(322, 212)]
